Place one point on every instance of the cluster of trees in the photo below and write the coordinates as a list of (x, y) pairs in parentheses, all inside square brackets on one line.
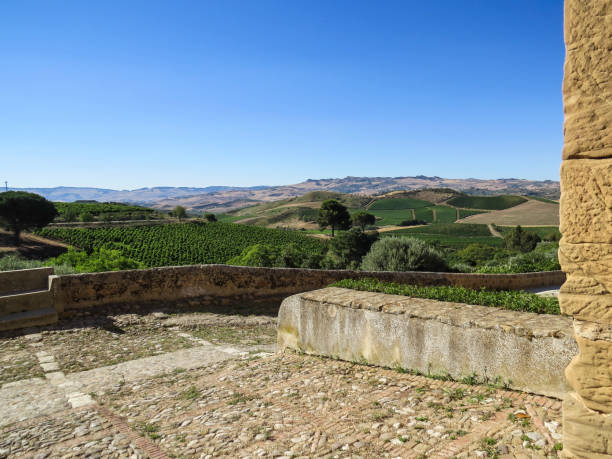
[(180, 212)]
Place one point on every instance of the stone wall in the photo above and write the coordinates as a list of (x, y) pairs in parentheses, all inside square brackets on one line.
[(525, 350), (22, 280), (586, 224), (216, 283)]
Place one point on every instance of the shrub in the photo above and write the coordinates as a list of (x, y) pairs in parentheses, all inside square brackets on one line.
[(86, 217), (543, 258), (476, 254), (210, 217), (256, 255), (106, 258), (403, 254), (289, 256)]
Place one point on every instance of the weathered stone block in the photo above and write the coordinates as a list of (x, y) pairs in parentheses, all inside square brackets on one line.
[(587, 87), (590, 372), (529, 350), (586, 433), (586, 201), (587, 292)]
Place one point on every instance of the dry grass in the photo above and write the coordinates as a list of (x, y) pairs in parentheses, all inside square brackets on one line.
[(530, 213)]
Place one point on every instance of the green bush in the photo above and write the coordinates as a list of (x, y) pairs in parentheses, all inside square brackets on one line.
[(86, 217), (257, 255), (543, 258), (102, 259), (507, 299), (289, 256), (475, 254), (403, 254)]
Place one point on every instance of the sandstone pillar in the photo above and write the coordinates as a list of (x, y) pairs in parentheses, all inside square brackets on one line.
[(586, 223)]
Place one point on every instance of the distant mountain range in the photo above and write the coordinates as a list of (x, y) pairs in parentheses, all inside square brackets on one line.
[(139, 196), (225, 198)]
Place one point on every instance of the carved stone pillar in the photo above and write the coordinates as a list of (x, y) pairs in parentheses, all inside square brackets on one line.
[(586, 223)]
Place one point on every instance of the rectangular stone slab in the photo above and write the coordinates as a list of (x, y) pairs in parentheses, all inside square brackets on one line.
[(530, 350)]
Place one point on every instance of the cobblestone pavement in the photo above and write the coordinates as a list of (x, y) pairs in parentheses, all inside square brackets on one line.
[(223, 393)]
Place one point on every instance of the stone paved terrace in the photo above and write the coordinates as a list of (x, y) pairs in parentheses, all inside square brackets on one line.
[(200, 384)]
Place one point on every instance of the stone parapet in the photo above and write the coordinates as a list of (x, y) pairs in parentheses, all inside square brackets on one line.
[(214, 283), (529, 352)]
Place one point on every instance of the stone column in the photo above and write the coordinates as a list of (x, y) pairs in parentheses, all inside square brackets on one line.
[(586, 223)]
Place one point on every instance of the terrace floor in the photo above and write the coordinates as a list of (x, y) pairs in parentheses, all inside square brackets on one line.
[(203, 385)]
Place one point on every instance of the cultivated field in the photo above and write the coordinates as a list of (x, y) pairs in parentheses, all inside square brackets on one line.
[(453, 236), (532, 212), (486, 202), (181, 244)]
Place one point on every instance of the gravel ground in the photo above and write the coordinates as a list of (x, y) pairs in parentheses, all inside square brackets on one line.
[(17, 360), (299, 406), (241, 403)]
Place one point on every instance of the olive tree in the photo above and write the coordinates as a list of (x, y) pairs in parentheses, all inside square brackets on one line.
[(20, 211)]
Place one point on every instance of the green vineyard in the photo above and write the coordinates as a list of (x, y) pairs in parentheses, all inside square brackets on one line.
[(181, 244)]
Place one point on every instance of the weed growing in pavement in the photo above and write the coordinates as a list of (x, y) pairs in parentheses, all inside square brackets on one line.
[(191, 393)]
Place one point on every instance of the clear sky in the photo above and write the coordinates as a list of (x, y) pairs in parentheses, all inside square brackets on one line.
[(126, 94)]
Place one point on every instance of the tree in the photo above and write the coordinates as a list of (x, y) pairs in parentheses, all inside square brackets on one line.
[(21, 211), (363, 219), (333, 214), (210, 217), (348, 248), (179, 212), (518, 239)]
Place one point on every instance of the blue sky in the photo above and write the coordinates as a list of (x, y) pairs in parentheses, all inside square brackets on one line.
[(126, 94)]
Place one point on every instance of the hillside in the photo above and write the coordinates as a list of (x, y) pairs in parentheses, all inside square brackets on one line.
[(392, 209), (224, 199), (486, 202), (299, 212), (532, 212)]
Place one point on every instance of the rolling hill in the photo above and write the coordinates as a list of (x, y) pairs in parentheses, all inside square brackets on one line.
[(225, 198), (530, 213)]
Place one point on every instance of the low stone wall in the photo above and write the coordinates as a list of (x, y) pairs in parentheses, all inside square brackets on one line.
[(23, 280), (528, 351), (216, 283)]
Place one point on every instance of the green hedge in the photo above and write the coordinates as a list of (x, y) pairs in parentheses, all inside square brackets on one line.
[(506, 299)]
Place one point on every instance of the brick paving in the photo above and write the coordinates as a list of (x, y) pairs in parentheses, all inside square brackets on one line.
[(233, 397)]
